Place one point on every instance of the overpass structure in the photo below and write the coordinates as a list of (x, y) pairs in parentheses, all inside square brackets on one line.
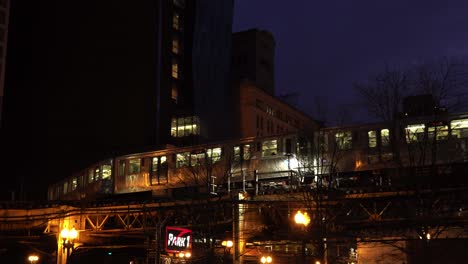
[(259, 224)]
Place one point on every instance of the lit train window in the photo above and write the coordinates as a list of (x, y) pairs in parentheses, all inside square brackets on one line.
[(106, 171), (439, 132), (246, 152), (237, 154), (74, 184), (197, 159), (269, 147), (182, 159), (385, 137), (344, 140), (459, 128), (122, 168), (372, 135), (214, 154), (134, 166), (97, 174), (90, 175), (415, 133)]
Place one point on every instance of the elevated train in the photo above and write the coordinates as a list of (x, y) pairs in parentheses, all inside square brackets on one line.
[(422, 152)]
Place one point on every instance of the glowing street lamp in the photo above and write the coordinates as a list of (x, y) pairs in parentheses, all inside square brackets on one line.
[(68, 236), (266, 259), (33, 259), (302, 218)]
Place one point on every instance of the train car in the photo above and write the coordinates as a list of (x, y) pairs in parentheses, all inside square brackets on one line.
[(365, 158), (184, 171)]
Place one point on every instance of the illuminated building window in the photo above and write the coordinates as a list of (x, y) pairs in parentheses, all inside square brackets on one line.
[(175, 45), (440, 132), (385, 137), (415, 133), (175, 70), (159, 170), (214, 154), (174, 93), (269, 148), (182, 159), (65, 187), (176, 19), (372, 135), (459, 128), (134, 166), (344, 140), (185, 126)]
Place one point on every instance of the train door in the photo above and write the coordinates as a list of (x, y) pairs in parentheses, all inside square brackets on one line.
[(159, 170)]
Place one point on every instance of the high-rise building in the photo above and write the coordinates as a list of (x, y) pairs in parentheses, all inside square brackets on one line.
[(253, 55), (259, 112), (110, 77)]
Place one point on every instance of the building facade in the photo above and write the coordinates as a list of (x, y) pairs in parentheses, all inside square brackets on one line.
[(97, 79)]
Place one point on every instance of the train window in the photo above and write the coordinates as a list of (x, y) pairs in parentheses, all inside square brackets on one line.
[(459, 128), (163, 170), (122, 168), (246, 154), (159, 170), (82, 181), (134, 166), (182, 159), (176, 24), (97, 174), (197, 159), (269, 147), (74, 184), (385, 137), (415, 133), (343, 140), (237, 153), (372, 136), (154, 164), (90, 175), (214, 154), (106, 171), (439, 132), (65, 187)]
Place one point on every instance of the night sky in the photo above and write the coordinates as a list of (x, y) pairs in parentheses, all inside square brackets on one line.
[(322, 47)]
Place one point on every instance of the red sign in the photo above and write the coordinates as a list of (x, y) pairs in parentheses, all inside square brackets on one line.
[(178, 239)]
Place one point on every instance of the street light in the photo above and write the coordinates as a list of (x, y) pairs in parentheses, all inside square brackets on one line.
[(302, 218), (227, 245), (68, 237), (33, 259), (266, 259)]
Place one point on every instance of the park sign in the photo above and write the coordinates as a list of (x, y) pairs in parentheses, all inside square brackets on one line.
[(178, 239)]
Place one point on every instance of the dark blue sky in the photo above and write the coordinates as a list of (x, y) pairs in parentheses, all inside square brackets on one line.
[(322, 47)]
